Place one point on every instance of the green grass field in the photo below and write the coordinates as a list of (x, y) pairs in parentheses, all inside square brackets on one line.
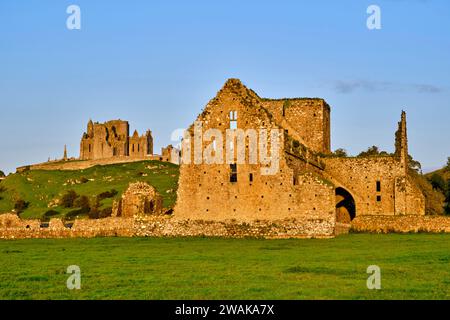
[(40, 188), (413, 266)]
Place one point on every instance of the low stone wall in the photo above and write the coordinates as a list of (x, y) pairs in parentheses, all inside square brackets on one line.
[(342, 228), (84, 164), (12, 227), (166, 226), (401, 224)]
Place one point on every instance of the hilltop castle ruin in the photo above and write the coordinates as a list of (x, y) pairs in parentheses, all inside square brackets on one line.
[(112, 139), (311, 185)]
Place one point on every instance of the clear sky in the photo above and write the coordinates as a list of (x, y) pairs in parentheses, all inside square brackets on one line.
[(157, 63)]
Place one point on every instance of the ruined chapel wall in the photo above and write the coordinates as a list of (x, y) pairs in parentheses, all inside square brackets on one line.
[(310, 118), (205, 190), (359, 176)]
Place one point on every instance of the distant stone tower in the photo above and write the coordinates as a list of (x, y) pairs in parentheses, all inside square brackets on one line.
[(65, 158), (401, 143)]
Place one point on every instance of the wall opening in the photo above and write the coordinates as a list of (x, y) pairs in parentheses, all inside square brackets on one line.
[(250, 177), (345, 206), (378, 186), (233, 173), (233, 119)]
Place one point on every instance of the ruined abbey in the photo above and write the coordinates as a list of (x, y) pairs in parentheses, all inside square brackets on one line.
[(310, 184), (112, 139), (291, 185)]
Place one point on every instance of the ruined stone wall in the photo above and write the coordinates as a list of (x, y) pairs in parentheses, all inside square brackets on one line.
[(359, 176), (162, 226), (104, 140), (205, 190), (140, 146), (84, 164), (12, 227), (401, 224), (308, 117), (139, 198), (111, 139)]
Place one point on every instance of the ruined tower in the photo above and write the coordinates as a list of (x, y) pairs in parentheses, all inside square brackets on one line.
[(401, 143), (65, 158)]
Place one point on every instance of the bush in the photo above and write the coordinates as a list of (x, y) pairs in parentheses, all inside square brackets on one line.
[(2, 174), (2, 189), (107, 194), (20, 205), (84, 180), (75, 213), (81, 202), (107, 212), (68, 199), (438, 182), (94, 211), (434, 199), (49, 214), (340, 153)]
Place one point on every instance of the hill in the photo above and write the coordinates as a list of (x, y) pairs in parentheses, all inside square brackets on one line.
[(41, 191), (444, 173), (440, 181)]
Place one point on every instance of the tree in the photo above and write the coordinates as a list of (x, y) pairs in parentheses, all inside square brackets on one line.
[(447, 198), (340, 153), (68, 199), (438, 182), (373, 151), (82, 202), (414, 165), (20, 205), (2, 174), (447, 167)]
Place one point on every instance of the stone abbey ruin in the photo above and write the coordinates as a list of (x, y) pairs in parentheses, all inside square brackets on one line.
[(112, 139), (311, 185), (312, 193)]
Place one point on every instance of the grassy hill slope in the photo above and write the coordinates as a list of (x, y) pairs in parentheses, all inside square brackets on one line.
[(42, 190)]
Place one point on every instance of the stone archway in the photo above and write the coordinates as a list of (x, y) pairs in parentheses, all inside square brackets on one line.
[(345, 206)]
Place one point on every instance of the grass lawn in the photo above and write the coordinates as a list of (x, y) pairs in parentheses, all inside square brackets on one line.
[(41, 187), (413, 266)]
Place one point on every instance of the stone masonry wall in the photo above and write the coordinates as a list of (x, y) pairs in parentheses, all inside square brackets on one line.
[(359, 175), (84, 164), (308, 117), (11, 227), (206, 192), (401, 224)]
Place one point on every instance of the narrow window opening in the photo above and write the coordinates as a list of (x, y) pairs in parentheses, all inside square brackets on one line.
[(250, 177), (233, 174), (233, 120), (378, 198), (378, 186)]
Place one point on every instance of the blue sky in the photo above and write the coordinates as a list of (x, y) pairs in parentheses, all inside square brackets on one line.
[(157, 63)]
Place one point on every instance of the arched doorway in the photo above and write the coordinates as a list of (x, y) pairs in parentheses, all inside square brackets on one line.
[(345, 206)]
